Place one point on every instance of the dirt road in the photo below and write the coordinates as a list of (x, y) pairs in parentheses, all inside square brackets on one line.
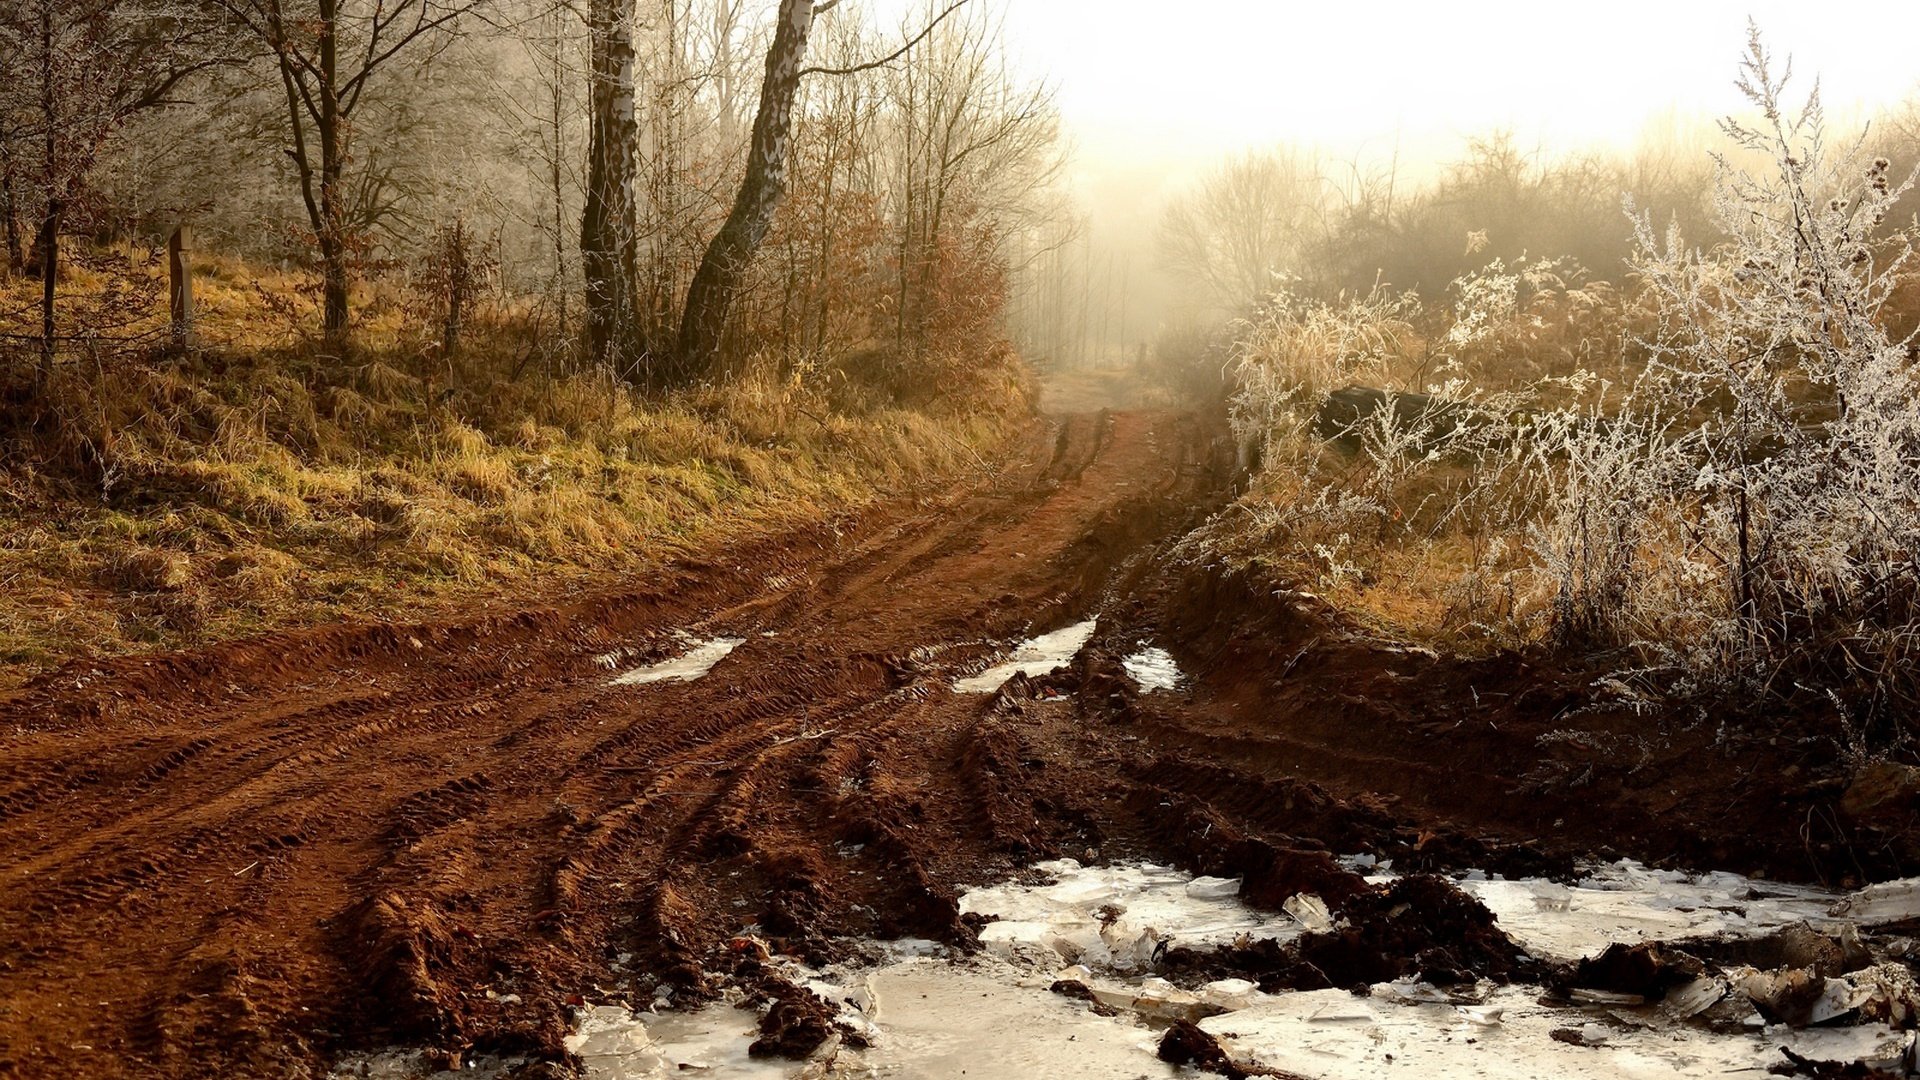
[(244, 860)]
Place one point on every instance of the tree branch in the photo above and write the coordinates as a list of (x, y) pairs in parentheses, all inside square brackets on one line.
[(895, 55)]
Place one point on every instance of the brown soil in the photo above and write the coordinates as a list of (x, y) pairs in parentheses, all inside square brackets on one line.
[(242, 860)]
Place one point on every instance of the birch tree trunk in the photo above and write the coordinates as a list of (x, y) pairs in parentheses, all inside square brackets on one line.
[(717, 280), (608, 242)]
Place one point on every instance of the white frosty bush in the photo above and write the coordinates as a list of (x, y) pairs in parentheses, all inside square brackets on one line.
[(1749, 513), (1739, 511)]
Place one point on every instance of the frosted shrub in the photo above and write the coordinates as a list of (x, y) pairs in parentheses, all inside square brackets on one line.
[(1749, 516), (1294, 350), (1410, 472), (1714, 473)]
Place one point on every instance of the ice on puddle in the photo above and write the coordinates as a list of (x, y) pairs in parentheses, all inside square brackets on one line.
[(1213, 888), (1331, 1035), (1158, 999), (686, 667), (1886, 902), (1629, 903), (1344, 1010), (1116, 916), (1481, 1015), (991, 1017), (607, 1037), (922, 1017), (1035, 656), (1230, 994), (1151, 669), (1309, 911)]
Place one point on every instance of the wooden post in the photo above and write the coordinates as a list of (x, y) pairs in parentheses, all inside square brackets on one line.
[(180, 286), (49, 250), (458, 282)]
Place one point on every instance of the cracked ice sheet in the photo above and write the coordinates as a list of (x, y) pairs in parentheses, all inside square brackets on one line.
[(1332, 1035), (1035, 656), (991, 1017), (1159, 902), (1629, 903)]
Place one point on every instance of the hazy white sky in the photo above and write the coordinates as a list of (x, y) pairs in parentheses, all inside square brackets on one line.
[(1153, 92), (1203, 75)]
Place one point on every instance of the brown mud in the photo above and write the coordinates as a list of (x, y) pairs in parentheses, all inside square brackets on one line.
[(244, 860)]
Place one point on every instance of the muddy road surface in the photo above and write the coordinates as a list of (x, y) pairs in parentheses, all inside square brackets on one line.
[(245, 860)]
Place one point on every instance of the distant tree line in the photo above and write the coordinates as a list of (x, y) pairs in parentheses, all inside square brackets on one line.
[(1269, 219)]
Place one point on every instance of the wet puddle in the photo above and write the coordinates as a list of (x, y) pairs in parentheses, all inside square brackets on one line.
[(688, 666), (1152, 668), (1035, 656)]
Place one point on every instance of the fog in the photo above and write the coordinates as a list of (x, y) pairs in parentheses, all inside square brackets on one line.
[(1152, 95)]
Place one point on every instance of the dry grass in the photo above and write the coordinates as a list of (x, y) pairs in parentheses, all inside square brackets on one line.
[(162, 502), (1404, 556)]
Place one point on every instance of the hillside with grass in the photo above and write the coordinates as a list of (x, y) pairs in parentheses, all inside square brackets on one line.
[(192, 496), (292, 331)]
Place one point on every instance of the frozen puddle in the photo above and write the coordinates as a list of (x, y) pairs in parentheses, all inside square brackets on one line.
[(686, 667), (1628, 903), (1035, 656), (1333, 1035), (992, 1016), (1152, 668), (927, 1018), (1065, 922)]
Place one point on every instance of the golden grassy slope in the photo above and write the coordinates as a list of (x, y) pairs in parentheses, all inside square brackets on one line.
[(158, 502)]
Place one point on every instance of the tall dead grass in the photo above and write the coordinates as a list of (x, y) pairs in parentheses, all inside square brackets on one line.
[(167, 499)]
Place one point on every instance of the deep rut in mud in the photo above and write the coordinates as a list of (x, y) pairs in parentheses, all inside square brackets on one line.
[(244, 860)]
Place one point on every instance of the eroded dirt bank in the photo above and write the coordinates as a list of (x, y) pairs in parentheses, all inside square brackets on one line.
[(243, 860)]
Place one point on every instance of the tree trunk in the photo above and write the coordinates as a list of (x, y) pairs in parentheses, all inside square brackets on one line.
[(333, 240), (459, 272), (717, 280), (48, 243), (556, 177), (608, 252), (10, 214)]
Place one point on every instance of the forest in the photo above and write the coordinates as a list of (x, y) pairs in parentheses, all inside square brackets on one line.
[(840, 538)]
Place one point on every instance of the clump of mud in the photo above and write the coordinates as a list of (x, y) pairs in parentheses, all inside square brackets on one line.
[(1647, 970), (1205, 842), (797, 1024), (1415, 927), (1185, 1044)]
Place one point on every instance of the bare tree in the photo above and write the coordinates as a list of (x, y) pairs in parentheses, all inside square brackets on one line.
[(543, 109), (77, 71), (971, 144), (325, 54), (718, 279), (1243, 224)]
